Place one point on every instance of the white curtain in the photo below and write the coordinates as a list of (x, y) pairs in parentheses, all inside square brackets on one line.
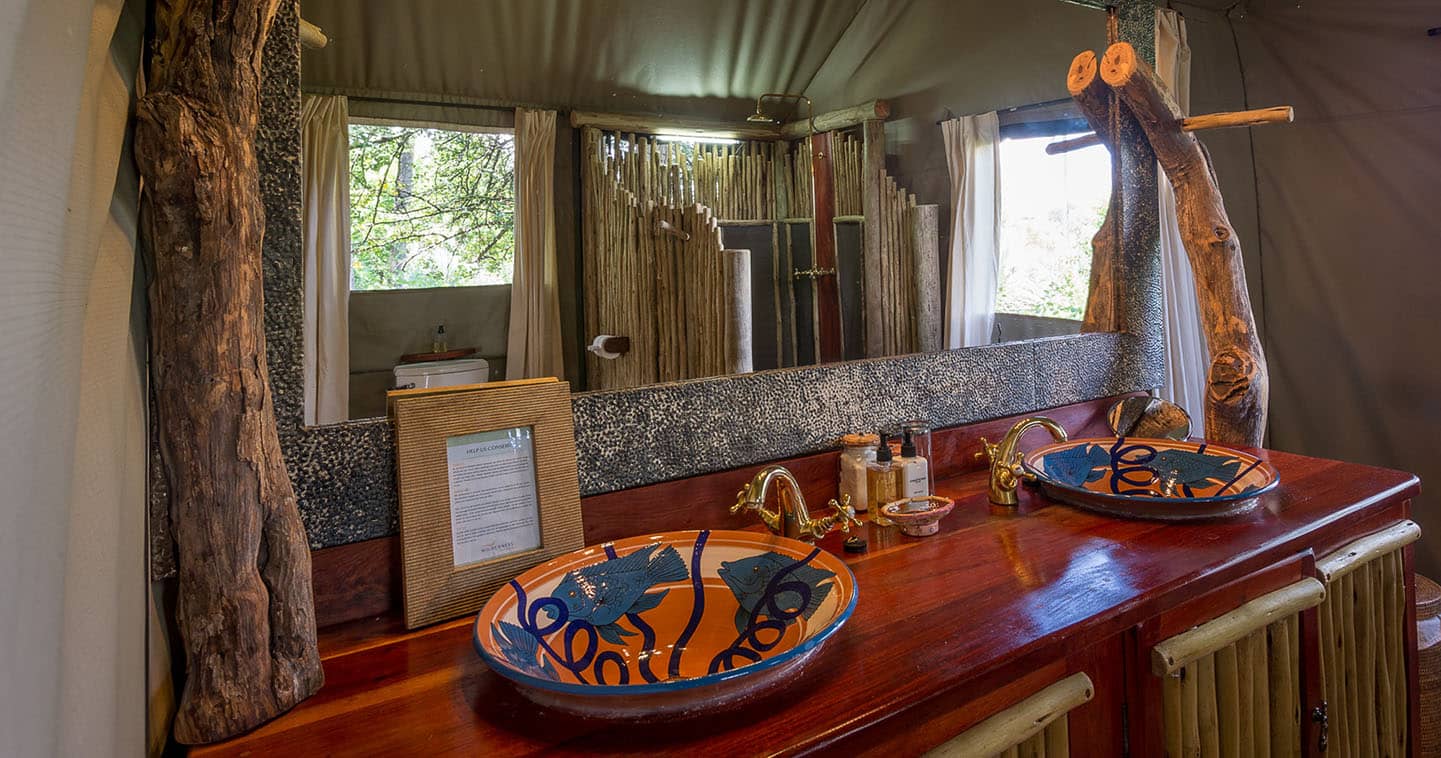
[(973, 150), (1185, 342), (533, 349), (325, 202), (73, 563)]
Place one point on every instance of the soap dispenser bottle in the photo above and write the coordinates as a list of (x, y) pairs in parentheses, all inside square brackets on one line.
[(915, 478), (882, 478), (437, 343)]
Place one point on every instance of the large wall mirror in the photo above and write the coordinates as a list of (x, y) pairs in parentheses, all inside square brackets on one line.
[(710, 250), (424, 207)]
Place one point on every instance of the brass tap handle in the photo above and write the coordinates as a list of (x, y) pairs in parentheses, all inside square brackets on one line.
[(845, 514)]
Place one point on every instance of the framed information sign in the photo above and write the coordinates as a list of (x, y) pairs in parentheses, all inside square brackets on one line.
[(488, 488)]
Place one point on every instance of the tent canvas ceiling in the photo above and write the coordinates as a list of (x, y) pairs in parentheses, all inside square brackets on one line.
[(696, 58)]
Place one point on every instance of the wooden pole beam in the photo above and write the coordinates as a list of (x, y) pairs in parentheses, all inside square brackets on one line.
[(843, 118), (311, 36), (1279, 114), (647, 123), (829, 342), (245, 611), (1237, 381)]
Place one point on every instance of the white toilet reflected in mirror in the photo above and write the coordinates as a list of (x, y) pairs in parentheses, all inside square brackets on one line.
[(431, 374)]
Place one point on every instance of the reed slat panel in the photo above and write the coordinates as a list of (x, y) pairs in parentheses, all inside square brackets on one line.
[(1036, 726), (1363, 638), (1232, 686), (668, 295)]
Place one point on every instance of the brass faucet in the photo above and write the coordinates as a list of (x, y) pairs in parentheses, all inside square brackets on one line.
[(1006, 471), (791, 518)]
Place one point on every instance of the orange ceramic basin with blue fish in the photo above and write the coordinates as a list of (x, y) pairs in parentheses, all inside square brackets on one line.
[(666, 624), (1168, 480)]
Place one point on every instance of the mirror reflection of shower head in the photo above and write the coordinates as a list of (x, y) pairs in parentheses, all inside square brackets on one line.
[(760, 117)]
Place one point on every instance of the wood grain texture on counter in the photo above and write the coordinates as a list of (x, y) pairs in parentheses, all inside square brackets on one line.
[(945, 629)]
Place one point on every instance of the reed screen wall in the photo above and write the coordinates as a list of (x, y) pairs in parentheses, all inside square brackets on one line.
[(656, 270)]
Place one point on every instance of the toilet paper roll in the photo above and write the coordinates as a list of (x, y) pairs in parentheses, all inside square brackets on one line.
[(597, 346)]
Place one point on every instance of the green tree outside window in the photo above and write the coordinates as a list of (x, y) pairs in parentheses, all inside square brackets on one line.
[(430, 207)]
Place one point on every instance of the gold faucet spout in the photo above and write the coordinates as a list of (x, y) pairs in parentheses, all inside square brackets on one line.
[(791, 518), (1006, 471)]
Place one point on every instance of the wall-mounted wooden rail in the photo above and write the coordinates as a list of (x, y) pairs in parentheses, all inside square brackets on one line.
[(843, 118), (1280, 114), (652, 123), (672, 126)]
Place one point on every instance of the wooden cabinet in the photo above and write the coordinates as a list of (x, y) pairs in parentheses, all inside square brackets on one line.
[(962, 632), (1301, 657)]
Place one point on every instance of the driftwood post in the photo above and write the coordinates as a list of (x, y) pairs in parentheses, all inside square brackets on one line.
[(1092, 97), (1237, 382), (245, 609)]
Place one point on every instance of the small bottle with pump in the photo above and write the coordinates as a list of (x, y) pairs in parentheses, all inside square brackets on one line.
[(882, 478), (437, 343), (915, 479)]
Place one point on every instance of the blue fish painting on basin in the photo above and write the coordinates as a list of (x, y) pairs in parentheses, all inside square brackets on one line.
[(601, 594), (1151, 478), (749, 579), (647, 627)]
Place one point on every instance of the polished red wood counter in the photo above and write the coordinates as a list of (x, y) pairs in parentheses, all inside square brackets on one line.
[(947, 629)]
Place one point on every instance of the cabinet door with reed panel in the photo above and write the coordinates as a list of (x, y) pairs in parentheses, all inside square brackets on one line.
[(1363, 638), (1228, 673)]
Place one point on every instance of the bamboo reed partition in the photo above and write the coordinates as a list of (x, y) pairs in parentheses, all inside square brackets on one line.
[(900, 265), (1363, 643), (679, 300), (796, 169), (846, 163), (656, 270), (1232, 686)]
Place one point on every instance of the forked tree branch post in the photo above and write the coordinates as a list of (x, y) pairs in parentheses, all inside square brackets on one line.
[(1092, 97), (245, 609), (1237, 382)]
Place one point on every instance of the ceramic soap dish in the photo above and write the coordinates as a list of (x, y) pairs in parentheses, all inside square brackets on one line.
[(920, 516)]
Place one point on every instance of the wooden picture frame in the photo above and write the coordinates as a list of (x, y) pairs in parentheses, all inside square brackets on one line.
[(432, 428)]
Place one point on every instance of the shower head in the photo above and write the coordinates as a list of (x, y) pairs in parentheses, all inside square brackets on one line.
[(760, 117)]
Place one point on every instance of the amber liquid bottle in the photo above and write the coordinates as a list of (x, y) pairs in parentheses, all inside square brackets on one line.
[(882, 481)]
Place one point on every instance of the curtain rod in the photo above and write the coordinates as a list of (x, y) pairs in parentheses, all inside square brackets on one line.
[(1092, 4), (1024, 108)]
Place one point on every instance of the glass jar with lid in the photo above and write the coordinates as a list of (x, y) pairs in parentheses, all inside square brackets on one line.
[(857, 450)]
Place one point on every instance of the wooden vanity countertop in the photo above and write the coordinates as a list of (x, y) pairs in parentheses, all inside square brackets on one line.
[(989, 601)]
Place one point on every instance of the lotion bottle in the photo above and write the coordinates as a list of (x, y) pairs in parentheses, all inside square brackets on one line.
[(915, 478)]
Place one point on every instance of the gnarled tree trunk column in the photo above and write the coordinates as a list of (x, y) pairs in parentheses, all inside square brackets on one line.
[(245, 609), (1092, 96), (1237, 382)]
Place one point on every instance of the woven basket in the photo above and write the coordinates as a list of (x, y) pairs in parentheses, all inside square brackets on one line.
[(1428, 660)]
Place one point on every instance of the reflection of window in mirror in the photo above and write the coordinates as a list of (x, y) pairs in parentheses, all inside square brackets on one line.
[(430, 207), (432, 247), (1051, 207)]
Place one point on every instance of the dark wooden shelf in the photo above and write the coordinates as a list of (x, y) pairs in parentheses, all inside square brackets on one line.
[(994, 602)]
